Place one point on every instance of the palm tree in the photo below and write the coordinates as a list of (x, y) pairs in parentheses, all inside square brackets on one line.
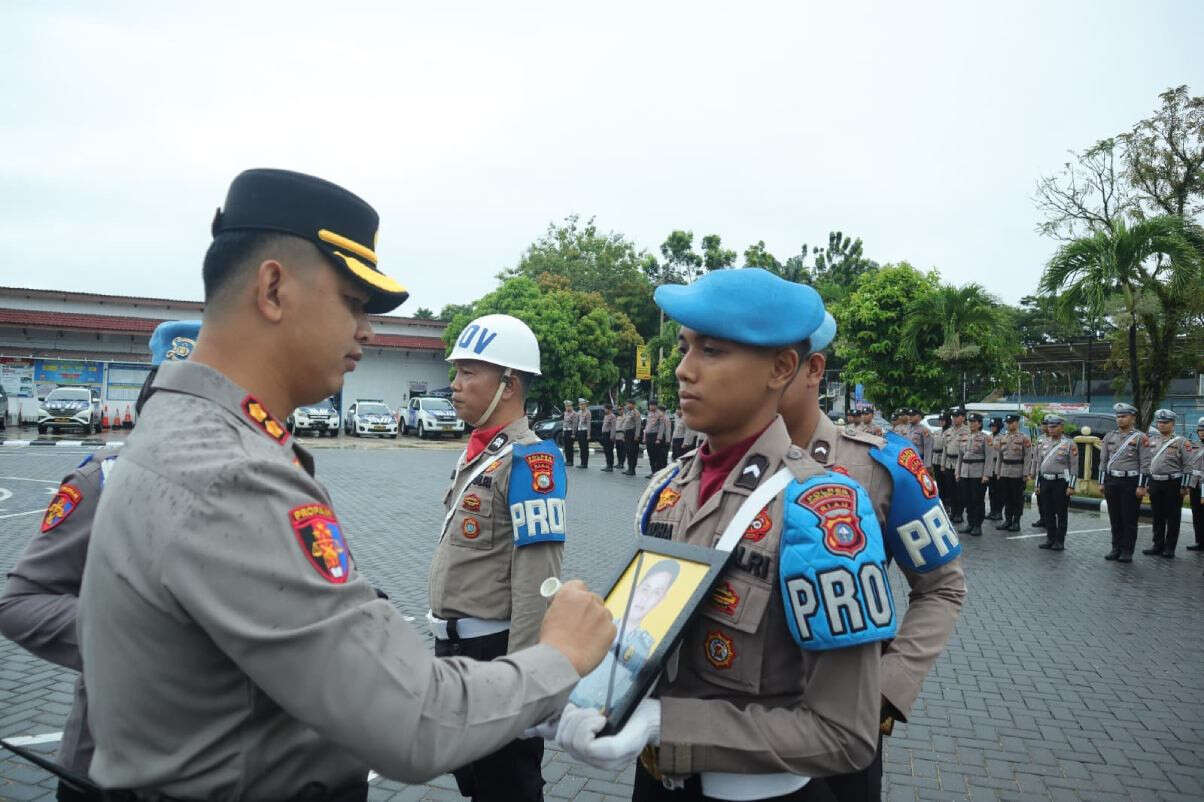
[(958, 315), (1112, 262)]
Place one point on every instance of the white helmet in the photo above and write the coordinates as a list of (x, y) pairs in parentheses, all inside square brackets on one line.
[(499, 340)]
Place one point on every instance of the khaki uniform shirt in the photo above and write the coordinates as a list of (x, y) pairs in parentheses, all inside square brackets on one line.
[(921, 438), (938, 449), (1012, 455), (476, 571), (630, 422), (1059, 457), (974, 449), (936, 596), (569, 421), (1174, 459), (1195, 477), (656, 428), (608, 423), (235, 651), (953, 436), (41, 599), (584, 419), (680, 430), (746, 698), (1126, 451)]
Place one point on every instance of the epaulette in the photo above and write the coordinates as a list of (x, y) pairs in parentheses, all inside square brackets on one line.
[(872, 440)]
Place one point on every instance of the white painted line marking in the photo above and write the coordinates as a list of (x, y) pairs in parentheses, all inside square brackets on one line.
[(18, 514), (28, 479), (1075, 532), (30, 740)]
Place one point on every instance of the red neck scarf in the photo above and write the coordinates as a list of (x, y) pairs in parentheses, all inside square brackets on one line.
[(716, 465), (478, 440)]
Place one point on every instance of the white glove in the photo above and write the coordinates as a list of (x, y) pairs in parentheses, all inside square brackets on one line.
[(545, 729), (578, 735)]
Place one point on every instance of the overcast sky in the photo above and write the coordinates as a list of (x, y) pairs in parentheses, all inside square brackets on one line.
[(920, 127)]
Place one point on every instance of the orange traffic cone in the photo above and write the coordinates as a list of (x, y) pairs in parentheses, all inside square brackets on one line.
[(104, 418), (127, 422)]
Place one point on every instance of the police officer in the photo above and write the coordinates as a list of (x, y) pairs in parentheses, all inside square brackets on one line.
[(609, 419), (1057, 462), (40, 601), (919, 435), (656, 438), (953, 437), (974, 450), (232, 647), (867, 422), (994, 487), (631, 436), (680, 432), (584, 421), (1011, 465), (1194, 481), (1124, 459), (568, 431), (938, 457), (1170, 463), (903, 498), (503, 532), (756, 705)]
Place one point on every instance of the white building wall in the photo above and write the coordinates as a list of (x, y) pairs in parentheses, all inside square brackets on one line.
[(387, 374)]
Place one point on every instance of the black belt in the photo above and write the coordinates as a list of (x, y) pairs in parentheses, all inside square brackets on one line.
[(311, 792), (1013, 462), (974, 460), (938, 451)]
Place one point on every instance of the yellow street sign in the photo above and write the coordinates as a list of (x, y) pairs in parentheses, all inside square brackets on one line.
[(643, 363)]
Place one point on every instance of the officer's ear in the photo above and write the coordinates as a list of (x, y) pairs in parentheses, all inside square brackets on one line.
[(785, 367)]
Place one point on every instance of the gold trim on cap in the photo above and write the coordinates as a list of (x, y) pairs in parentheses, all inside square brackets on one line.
[(339, 241), (373, 277)]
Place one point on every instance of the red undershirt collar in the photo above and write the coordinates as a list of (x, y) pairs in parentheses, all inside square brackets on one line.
[(478, 440), (716, 465)]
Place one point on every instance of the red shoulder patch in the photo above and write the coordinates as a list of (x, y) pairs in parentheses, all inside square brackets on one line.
[(720, 650), (61, 506), (911, 462), (541, 472), (258, 414), (321, 539), (835, 506), (760, 526)]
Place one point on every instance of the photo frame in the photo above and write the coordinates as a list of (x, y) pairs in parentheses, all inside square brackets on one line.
[(653, 596)]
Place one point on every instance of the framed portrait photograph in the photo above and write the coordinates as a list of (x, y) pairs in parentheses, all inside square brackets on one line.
[(654, 595)]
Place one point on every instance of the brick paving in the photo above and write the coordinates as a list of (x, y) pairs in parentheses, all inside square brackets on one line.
[(1067, 678)]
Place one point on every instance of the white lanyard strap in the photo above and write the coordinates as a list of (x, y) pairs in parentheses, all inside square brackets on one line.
[(1165, 446), (752, 505), (477, 471), (1045, 461), (1123, 446)]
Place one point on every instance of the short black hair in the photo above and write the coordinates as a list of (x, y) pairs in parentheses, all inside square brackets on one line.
[(231, 251), (669, 567)]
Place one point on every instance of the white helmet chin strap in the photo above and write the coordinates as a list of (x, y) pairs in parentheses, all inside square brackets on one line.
[(496, 398)]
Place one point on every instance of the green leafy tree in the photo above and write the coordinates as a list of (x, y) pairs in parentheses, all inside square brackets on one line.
[(870, 325), (449, 311), (422, 313), (757, 256), (595, 262), (1164, 156), (1155, 267), (580, 337), (714, 255), (682, 263), (969, 328)]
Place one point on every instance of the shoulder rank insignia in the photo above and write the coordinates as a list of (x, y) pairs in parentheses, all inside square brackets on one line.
[(321, 539), (61, 506), (258, 414)]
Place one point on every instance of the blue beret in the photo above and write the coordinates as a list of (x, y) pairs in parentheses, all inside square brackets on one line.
[(173, 340), (747, 305), (822, 337)]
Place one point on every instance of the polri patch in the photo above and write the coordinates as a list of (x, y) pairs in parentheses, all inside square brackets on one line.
[(910, 461), (61, 506), (258, 414), (472, 502), (667, 499), (720, 650), (541, 465), (321, 539), (835, 506), (760, 526), (471, 528)]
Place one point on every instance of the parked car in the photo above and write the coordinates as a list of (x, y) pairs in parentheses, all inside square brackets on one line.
[(1100, 422), (550, 428), (70, 408), (318, 419), (431, 416), (370, 416)]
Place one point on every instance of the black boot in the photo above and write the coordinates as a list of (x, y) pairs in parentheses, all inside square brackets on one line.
[(976, 531), (1113, 555), (1015, 527), (1196, 547), (1038, 524), (1152, 550), (1048, 544), (1004, 525), (1059, 545), (1125, 557)]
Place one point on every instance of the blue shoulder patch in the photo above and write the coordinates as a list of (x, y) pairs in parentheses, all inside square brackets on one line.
[(537, 485), (652, 499), (832, 567), (918, 532)]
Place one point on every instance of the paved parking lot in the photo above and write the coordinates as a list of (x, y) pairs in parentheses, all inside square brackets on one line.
[(1067, 678)]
